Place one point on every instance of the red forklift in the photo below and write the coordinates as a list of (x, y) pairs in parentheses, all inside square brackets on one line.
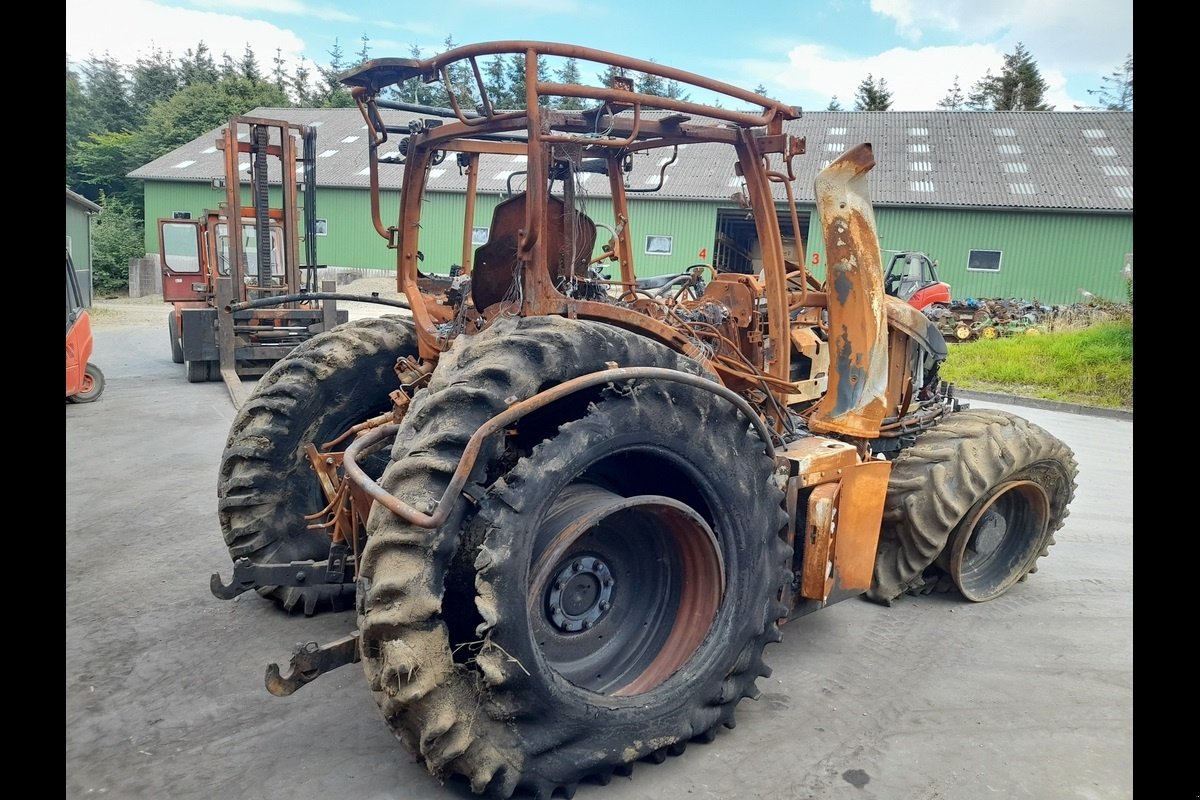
[(85, 381), (912, 277), (239, 299)]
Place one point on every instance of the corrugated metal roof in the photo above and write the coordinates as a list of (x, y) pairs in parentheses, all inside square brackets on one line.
[(1078, 160), (80, 200)]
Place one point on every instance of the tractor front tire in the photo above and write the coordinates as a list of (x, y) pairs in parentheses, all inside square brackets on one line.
[(266, 484), (972, 505), (610, 598)]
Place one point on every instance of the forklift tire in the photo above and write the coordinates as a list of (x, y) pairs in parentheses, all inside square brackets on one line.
[(518, 648), (173, 333), (972, 505), (199, 371), (266, 484), (93, 386)]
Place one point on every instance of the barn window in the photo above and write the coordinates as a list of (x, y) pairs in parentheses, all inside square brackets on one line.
[(658, 245), (984, 260)]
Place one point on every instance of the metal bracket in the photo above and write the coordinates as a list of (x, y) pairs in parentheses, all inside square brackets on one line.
[(247, 575), (310, 661)]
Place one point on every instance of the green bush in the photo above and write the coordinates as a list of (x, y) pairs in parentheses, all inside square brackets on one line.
[(117, 236)]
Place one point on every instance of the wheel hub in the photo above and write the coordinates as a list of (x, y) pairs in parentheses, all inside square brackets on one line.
[(580, 595), (989, 533)]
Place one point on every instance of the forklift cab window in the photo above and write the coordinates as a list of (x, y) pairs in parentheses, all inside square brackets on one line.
[(250, 248), (180, 246)]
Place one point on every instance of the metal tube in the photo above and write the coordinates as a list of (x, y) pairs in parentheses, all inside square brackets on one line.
[(458, 480)]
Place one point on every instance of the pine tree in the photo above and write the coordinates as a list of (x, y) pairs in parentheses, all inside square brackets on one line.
[(1019, 87), (675, 91), (980, 98), (331, 93), (569, 73), (279, 75), (364, 52), (248, 66), (154, 78), (834, 105), (229, 67), (1117, 92), (305, 97), (954, 99), (197, 66), (107, 93), (649, 83), (414, 90), (514, 76), (462, 81), (496, 82), (873, 95)]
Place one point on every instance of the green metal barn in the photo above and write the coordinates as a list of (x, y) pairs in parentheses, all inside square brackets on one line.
[(80, 211), (1032, 205)]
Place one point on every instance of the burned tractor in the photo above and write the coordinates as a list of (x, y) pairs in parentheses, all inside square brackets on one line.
[(570, 512)]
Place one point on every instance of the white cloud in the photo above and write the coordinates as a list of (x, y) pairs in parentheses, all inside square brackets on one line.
[(293, 7), (1070, 35), (146, 26), (917, 79)]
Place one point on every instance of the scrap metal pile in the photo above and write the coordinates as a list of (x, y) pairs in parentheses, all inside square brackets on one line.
[(982, 318)]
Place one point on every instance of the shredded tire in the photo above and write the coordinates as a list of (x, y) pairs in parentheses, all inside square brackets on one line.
[(266, 484), (445, 641), (948, 470)]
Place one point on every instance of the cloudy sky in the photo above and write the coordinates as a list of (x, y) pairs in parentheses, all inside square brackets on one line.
[(804, 52)]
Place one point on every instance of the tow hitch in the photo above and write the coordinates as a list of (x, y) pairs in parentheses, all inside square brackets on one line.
[(310, 661)]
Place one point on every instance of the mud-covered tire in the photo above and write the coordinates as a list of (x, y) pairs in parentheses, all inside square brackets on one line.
[(173, 335), (266, 484), (953, 469), (449, 644)]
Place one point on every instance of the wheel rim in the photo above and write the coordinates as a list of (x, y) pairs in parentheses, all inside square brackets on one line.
[(998, 541), (989, 333), (622, 590), (962, 332)]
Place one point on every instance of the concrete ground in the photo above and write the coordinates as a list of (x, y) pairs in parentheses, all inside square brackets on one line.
[(1029, 696)]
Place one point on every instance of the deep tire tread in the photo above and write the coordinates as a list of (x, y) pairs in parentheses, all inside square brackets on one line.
[(425, 697), (935, 482), (264, 480)]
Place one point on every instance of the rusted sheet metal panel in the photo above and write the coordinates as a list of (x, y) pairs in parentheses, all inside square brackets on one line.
[(859, 513), (856, 402), (819, 460), (816, 571)]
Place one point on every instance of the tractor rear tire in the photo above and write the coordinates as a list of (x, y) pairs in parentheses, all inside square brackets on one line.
[(516, 651), (173, 333), (978, 476), (266, 483)]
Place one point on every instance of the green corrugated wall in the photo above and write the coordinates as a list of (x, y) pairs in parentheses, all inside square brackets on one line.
[(1046, 256)]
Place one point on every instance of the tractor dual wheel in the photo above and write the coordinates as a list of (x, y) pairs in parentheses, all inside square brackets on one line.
[(973, 504), (266, 484), (608, 598), (91, 387)]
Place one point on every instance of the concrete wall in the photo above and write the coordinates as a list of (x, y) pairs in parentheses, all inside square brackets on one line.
[(145, 276)]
